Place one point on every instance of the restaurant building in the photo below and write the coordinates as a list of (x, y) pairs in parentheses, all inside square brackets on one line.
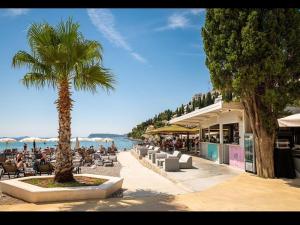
[(224, 132)]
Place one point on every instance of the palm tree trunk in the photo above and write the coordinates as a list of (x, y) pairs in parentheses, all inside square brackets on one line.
[(64, 165)]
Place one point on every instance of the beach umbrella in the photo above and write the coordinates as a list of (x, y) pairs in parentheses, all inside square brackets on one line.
[(81, 139), (98, 139), (7, 140), (173, 129), (108, 140), (290, 121), (32, 139), (52, 139)]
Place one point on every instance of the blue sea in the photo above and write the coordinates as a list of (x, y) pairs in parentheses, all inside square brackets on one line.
[(120, 141)]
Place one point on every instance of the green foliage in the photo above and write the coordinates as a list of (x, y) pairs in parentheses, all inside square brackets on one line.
[(61, 53), (254, 54), (157, 120)]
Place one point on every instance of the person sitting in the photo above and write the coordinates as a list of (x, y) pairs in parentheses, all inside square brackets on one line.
[(19, 161), (113, 147), (42, 161), (102, 150), (25, 147)]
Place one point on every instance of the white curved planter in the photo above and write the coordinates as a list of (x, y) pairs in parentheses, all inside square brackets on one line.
[(35, 194)]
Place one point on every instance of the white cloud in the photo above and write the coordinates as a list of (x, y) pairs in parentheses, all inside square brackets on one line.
[(180, 20), (177, 21), (196, 11), (16, 12), (138, 57), (104, 21)]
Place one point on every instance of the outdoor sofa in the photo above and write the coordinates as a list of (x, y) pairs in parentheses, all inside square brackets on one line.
[(171, 164), (185, 162)]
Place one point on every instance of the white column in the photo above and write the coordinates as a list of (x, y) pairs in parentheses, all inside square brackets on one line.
[(221, 133), (221, 143), (200, 136)]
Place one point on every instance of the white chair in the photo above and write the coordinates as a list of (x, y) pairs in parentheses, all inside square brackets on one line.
[(176, 154), (143, 150), (151, 154), (159, 156), (171, 164), (185, 162)]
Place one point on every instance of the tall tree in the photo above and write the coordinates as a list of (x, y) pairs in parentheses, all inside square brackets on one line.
[(203, 101), (208, 99), (255, 55), (62, 58)]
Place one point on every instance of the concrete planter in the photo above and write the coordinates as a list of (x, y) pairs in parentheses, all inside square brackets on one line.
[(36, 194)]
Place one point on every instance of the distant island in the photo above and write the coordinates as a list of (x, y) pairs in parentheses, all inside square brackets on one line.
[(102, 135)]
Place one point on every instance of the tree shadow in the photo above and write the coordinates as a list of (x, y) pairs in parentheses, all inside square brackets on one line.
[(139, 200), (292, 182)]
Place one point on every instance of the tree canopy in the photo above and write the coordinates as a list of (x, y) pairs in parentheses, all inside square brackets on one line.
[(254, 55), (255, 52)]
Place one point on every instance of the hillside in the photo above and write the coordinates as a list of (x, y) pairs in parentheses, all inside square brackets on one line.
[(103, 135)]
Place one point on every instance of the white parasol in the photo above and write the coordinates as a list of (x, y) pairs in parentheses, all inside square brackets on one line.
[(32, 139), (290, 121), (7, 140), (52, 139)]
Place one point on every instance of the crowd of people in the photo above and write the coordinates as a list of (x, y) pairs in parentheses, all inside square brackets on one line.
[(176, 143), (37, 156)]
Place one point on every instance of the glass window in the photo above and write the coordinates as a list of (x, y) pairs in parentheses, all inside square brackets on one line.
[(231, 133)]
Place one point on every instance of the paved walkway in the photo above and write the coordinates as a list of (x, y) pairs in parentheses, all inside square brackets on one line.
[(141, 181), (205, 174), (246, 192), (148, 191)]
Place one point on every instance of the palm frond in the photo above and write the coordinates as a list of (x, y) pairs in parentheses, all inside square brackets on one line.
[(38, 80), (91, 77), (61, 52)]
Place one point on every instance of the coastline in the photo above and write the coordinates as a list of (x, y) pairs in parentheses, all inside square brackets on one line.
[(134, 139)]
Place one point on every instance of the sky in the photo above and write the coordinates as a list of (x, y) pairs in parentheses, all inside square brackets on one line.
[(156, 55)]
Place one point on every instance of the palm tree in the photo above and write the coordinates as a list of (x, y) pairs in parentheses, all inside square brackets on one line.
[(62, 58)]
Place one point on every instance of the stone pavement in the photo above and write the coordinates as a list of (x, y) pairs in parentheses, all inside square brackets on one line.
[(246, 192), (140, 181), (145, 190)]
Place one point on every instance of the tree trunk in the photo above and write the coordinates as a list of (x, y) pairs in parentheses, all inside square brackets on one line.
[(64, 165), (264, 138)]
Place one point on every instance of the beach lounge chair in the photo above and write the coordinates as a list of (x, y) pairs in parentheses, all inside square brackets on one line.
[(97, 156), (7, 152), (106, 157), (113, 158), (46, 168), (2, 158), (171, 164), (185, 162), (10, 169)]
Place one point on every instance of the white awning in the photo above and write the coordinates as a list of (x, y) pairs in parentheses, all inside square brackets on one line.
[(203, 114), (290, 121)]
